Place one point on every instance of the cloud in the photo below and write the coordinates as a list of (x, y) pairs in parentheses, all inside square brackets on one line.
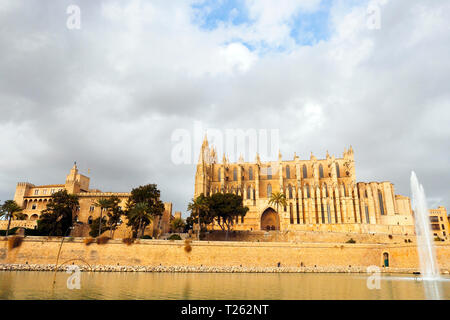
[(111, 94)]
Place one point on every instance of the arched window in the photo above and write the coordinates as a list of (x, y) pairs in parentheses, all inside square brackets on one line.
[(288, 172), (323, 213), (290, 191), (249, 194), (337, 170), (250, 173), (235, 174), (367, 214), (90, 220), (220, 174), (305, 172), (329, 213), (320, 171), (269, 190), (269, 172), (380, 200), (291, 214), (308, 194)]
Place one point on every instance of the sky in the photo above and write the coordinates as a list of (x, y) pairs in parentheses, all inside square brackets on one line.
[(113, 94)]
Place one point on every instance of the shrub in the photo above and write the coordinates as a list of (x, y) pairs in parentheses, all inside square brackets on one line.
[(351, 241), (14, 242), (187, 246), (174, 237), (128, 241), (102, 240), (88, 241)]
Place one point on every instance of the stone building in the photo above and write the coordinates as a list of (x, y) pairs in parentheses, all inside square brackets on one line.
[(440, 223), (34, 199), (322, 194)]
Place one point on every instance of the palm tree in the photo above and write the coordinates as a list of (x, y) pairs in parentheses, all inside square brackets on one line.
[(140, 212), (9, 209), (103, 204), (196, 206), (114, 215), (177, 224), (278, 199)]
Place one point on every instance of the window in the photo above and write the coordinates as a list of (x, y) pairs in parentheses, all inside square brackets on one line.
[(269, 190), (367, 214), (345, 191), (33, 207), (44, 191), (220, 174), (249, 190), (36, 192), (235, 174), (250, 173), (326, 190), (90, 220), (52, 191), (290, 191), (321, 171), (338, 171), (329, 213), (91, 209), (380, 199), (323, 213), (291, 214), (434, 219), (288, 172), (269, 172), (305, 172), (307, 191)]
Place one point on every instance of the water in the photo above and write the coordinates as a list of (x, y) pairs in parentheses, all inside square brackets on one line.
[(225, 286), (425, 245)]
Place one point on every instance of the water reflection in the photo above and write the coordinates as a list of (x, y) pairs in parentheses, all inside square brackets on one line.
[(37, 285)]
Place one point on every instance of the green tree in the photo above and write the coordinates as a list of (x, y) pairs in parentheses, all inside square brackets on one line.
[(94, 232), (114, 214), (200, 212), (8, 210), (226, 208), (278, 199), (177, 224), (104, 204), (57, 218), (139, 217)]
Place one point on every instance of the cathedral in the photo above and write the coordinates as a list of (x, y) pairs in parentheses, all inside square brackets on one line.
[(321, 194)]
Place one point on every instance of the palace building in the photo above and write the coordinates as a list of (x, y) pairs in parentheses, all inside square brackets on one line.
[(33, 199), (322, 194)]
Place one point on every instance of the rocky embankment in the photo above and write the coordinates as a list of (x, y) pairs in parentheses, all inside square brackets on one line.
[(206, 269)]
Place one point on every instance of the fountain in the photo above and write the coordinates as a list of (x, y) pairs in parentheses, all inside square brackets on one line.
[(428, 265)]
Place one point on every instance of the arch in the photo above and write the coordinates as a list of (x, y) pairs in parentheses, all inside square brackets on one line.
[(288, 172), (305, 172), (250, 173), (320, 171), (270, 220), (34, 217), (338, 172), (385, 259), (269, 190)]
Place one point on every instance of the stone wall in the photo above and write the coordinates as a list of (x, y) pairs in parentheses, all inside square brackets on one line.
[(35, 250)]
